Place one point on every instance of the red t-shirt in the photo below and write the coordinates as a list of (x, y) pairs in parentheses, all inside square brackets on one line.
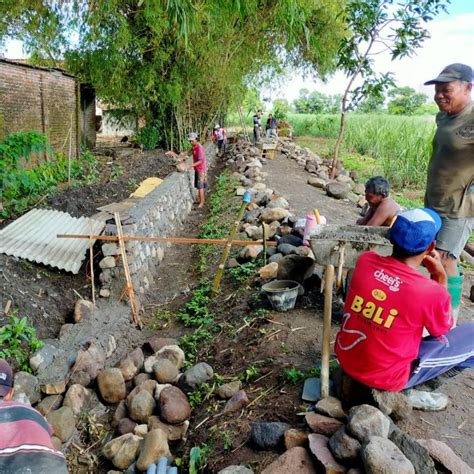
[(386, 309), (199, 155)]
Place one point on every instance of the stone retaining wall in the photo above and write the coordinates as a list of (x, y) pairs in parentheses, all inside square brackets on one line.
[(161, 213)]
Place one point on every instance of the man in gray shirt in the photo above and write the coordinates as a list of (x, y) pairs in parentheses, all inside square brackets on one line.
[(450, 184)]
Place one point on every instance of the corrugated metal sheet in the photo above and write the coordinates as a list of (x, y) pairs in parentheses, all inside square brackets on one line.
[(33, 237)]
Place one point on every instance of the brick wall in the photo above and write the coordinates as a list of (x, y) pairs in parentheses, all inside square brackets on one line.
[(41, 100)]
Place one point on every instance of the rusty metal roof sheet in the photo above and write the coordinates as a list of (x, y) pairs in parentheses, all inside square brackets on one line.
[(33, 237)]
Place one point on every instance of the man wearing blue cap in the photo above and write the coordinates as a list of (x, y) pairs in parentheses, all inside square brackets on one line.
[(450, 183), (389, 304)]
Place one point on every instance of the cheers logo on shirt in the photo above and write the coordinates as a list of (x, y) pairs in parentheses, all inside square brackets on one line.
[(393, 283)]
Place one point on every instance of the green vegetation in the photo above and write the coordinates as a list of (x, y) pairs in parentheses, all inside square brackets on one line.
[(18, 341), (241, 273), (250, 373), (29, 171), (400, 146), (295, 376), (181, 63)]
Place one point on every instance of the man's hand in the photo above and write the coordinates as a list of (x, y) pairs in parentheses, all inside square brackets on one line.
[(432, 262)]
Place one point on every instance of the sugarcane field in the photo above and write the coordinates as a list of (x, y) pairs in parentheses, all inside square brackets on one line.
[(236, 237)]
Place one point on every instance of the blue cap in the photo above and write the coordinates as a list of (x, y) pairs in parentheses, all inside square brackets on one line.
[(415, 229)]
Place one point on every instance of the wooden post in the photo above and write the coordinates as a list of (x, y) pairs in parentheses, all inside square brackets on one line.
[(326, 342), (91, 257), (129, 287)]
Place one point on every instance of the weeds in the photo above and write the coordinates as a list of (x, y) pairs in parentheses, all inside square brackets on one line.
[(242, 273), (17, 341), (294, 375), (250, 373)]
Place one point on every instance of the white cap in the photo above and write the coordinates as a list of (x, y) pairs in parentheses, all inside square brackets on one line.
[(192, 136), (217, 126)]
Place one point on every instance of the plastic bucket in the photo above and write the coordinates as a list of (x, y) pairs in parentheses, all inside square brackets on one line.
[(282, 294)]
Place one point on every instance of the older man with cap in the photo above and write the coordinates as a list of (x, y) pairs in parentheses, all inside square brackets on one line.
[(25, 436), (389, 304), (450, 184)]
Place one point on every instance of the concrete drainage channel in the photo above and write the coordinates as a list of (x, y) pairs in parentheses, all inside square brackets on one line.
[(95, 350)]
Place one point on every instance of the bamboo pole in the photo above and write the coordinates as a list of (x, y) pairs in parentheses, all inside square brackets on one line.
[(228, 245), (91, 258), (131, 294), (329, 277), (173, 240)]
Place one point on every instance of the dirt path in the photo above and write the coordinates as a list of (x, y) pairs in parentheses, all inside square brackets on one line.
[(290, 180)]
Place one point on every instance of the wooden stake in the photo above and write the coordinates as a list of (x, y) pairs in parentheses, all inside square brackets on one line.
[(326, 342), (172, 240), (91, 258), (131, 294)]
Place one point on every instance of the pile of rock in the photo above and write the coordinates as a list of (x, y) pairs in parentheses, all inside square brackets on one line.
[(146, 394), (363, 440)]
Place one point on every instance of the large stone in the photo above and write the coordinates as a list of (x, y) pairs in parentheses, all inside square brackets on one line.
[(126, 425), (269, 271), (268, 434), (295, 460), (90, 360), (111, 385), (395, 404), (140, 378), (254, 232), (155, 446), (235, 470), (443, 454), (165, 371), (49, 403), (77, 398), (173, 353), (131, 364), (157, 342), (120, 412), (250, 252), (198, 374), (295, 267), (107, 262), (381, 456), (274, 214), (330, 406), (280, 202), (123, 450), (337, 190), (291, 239), (228, 390), (148, 385), (174, 406), (343, 446), (318, 444), (366, 421), (173, 432), (238, 401), (275, 258), (359, 188), (53, 388), (62, 422), (83, 310), (29, 385), (295, 437), (43, 358), (317, 182), (141, 406), (414, 451), (286, 249), (141, 430), (322, 424)]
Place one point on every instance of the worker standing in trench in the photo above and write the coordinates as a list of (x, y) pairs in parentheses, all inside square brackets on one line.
[(199, 165)]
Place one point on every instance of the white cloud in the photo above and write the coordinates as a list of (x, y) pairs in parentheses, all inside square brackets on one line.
[(451, 41)]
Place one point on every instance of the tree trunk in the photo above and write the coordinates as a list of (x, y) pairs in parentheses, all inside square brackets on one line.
[(340, 137)]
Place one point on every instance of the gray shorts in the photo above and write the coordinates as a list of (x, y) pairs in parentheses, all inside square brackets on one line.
[(453, 234)]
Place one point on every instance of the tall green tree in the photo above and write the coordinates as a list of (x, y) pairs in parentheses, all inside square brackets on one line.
[(405, 101), (392, 27), (177, 63), (316, 103)]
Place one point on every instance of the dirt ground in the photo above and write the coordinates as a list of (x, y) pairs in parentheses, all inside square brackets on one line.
[(270, 342), (45, 295)]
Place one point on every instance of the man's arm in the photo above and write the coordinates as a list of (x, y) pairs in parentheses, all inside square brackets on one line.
[(366, 218), (387, 209)]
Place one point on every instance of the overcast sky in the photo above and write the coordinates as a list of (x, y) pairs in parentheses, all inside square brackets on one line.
[(452, 40)]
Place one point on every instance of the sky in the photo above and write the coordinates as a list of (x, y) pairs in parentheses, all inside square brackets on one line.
[(451, 41)]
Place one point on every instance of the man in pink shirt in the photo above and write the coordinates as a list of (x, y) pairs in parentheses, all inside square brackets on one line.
[(199, 166)]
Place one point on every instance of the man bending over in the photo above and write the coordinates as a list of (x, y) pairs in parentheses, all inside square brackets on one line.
[(382, 209)]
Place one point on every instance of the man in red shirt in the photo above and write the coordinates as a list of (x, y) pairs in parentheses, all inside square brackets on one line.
[(25, 436), (199, 166), (389, 303)]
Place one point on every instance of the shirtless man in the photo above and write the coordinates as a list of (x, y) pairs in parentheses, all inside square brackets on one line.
[(382, 209)]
